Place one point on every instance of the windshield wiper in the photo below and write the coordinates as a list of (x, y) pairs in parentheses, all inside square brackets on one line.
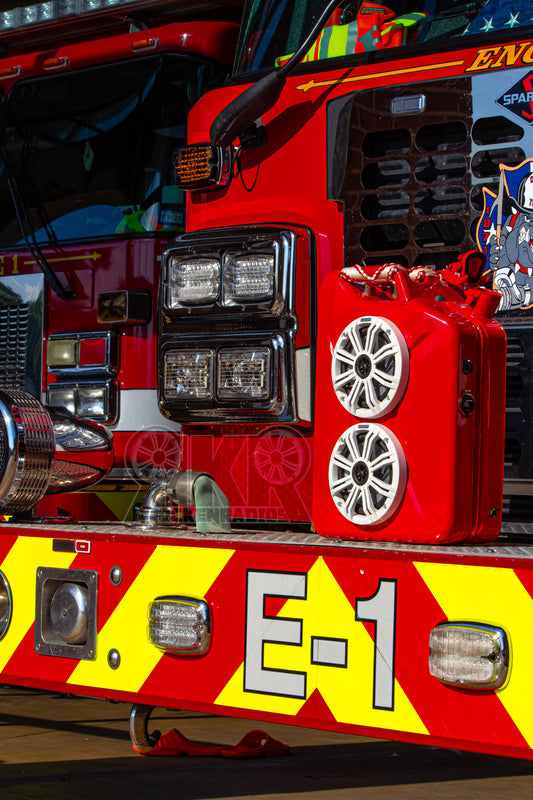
[(25, 225)]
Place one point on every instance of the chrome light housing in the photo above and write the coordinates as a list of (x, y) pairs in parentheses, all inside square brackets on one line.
[(6, 604), (248, 381), (469, 654), (82, 353), (180, 625), (228, 326), (192, 281), (96, 401), (248, 274), (46, 451)]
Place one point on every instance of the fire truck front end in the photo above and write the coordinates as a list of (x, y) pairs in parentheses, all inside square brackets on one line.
[(88, 203), (369, 135)]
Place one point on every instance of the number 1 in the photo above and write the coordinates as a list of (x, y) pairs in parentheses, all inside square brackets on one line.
[(380, 609)]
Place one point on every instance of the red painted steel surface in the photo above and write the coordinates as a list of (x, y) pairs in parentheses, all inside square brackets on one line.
[(452, 489)]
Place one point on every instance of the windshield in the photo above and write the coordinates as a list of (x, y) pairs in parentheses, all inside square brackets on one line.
[(89, 153), (273, 29)]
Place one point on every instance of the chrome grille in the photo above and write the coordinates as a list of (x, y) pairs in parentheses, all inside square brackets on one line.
[(13, 345)]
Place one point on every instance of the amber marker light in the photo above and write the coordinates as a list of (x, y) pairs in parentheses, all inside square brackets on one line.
[(201, 166), (10, 72)]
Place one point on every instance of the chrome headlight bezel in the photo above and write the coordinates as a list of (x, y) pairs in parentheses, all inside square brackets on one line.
[(254, 308), (72, 360), (77, 395), (265, 286), (263, 393)]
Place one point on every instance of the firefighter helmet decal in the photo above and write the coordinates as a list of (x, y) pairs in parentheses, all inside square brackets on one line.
[(505, 235)]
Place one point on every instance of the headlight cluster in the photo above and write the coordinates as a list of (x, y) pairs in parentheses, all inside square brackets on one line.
[(83, 364), (227, 326), (90, 401), (242, 373), (226, 280)]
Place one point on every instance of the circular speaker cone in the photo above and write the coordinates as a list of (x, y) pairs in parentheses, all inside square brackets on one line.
[(367, 474), (370, 367)]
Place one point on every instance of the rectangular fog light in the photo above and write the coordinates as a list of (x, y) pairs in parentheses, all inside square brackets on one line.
[(194, 281), (189, 375), (249, 278), (62, 352), (244, 373), (469, 654), (180, 625), (62, 397)]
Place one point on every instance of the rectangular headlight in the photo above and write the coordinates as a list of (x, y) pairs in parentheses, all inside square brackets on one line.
[(469, 654), (192, 281), (189, 375), (83, 352), (61, 397), (180, 625), (62, 352), (248, 277), (244, 373), (92, 401)]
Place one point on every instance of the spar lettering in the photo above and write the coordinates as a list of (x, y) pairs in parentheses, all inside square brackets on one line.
[(266, 629), (509, 55)]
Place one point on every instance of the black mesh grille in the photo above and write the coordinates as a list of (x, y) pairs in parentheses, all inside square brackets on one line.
[(407, 180)]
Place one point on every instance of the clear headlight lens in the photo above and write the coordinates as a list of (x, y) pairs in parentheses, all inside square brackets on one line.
[(248, 277), (192, 282), (228, 279), (189, 375), (62, 352), (244, 373), (232, 373), (61, 397), (92, 401)]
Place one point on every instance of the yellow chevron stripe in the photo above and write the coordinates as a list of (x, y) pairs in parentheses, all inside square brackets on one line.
[(169, 571), (347, 691), (20, 568), (494, 596)]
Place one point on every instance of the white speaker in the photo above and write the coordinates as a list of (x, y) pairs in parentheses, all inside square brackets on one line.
[(367, 474), (370, 367)]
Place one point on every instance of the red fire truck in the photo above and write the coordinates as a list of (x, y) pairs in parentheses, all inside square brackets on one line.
[(95, 100), (340, 538)]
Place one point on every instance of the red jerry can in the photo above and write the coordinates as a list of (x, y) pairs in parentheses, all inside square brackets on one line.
[(410, 408)]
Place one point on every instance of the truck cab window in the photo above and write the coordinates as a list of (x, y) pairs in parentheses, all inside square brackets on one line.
[(90, 151), (274, 29)]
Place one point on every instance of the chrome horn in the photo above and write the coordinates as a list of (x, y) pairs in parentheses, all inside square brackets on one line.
[(46, 451)]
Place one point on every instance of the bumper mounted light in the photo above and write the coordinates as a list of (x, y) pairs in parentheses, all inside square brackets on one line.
[(180, 625), (470, 655)]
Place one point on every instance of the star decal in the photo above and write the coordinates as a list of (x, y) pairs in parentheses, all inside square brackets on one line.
[(513, 20)]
